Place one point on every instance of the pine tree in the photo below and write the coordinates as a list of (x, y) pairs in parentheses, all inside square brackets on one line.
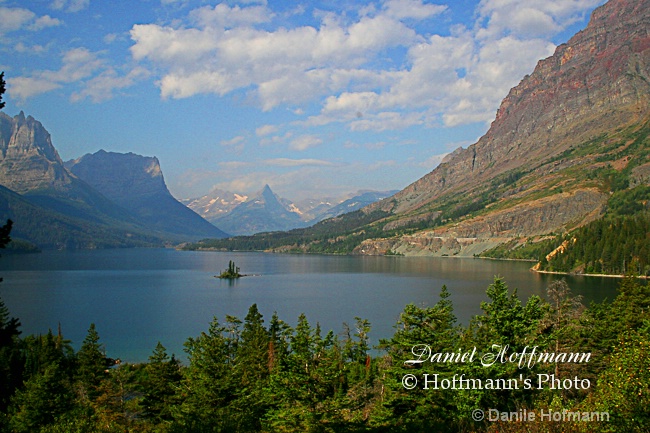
[(91, 365), (162, 385)]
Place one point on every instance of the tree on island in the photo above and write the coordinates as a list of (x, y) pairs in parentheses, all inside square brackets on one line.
[(232, 272), (2, 89)]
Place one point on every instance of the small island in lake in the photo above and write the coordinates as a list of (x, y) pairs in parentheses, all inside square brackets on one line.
[(231, 273)]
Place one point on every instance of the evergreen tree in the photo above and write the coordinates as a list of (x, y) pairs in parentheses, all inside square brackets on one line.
[(209, 387), (2, 89), (91, 365), (252, 369), (11, 358), (161, 385), (563, 324), (45, 397), (505, 325), (430, 330)]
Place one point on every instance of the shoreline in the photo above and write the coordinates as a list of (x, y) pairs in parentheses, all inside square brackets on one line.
[(574, 274)]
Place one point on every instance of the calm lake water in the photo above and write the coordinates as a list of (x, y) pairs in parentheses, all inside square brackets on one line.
[(137, 297)]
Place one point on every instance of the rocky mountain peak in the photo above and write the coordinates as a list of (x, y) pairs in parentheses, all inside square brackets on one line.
[(599, 80), (117, 175), (29, 160)]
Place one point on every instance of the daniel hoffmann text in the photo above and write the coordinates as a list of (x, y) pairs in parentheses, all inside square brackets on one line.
[(527, 358)]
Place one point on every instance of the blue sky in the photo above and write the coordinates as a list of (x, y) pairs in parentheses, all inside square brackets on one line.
[(313, 98)]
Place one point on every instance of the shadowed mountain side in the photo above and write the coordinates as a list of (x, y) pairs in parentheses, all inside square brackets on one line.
[(136, 184)]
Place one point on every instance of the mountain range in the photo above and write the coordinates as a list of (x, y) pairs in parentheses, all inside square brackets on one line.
[(569, 137), (265, 211), (109, 199)]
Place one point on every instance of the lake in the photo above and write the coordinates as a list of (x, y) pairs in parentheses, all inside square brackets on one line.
[(137, 297)]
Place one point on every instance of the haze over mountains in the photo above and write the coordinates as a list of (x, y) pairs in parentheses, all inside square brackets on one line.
[(239, 214)]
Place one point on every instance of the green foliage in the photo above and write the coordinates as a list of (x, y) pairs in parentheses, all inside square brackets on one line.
[(231, 273), (161, 385), (623, 388), (91, 364), (609, 246)]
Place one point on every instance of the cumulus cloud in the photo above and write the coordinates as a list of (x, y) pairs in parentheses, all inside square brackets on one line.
[(13, 19), (415, 9), (266, 130), (340, 63), (226, 51), (103, 86), (522, 18)]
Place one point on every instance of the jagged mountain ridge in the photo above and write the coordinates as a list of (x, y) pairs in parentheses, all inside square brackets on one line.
[(26, 167), (218, 204), (215, 204), (264, 212), (595, 82), (356, 202)]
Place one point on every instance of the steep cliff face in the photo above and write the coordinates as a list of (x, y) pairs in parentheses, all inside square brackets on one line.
[(121, 201), (583, 110), (120, 176), (136, 183), (29, 160), (598, 81)]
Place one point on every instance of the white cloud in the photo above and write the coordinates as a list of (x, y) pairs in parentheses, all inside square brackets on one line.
[(288, 162), (234, 141), (20, 47), (44, 22), (226, 53), (450, 80), (70, 5), (25, 87), (305, 142), (416, 9), (102, 87), (80, 67), (266, 130), (523, 18), (13, 19), (225, 17), (78, 64), (386, 121)]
